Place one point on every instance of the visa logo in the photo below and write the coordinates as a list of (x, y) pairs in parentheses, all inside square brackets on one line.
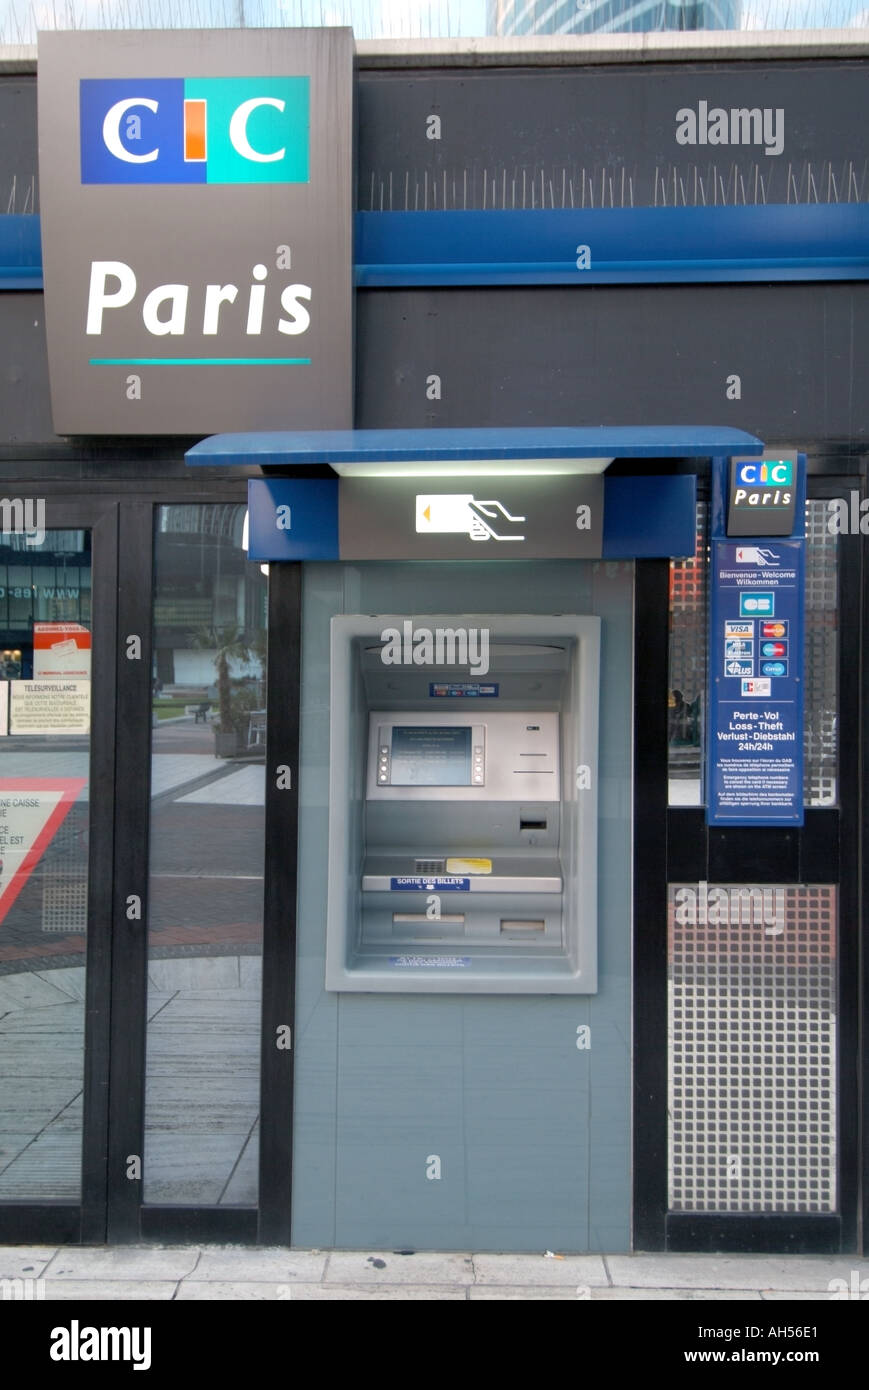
[(194, 130)]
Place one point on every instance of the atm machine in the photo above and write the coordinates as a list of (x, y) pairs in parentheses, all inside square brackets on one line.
[(463, 804)]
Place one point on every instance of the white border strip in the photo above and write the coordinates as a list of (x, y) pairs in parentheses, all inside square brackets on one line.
[(562, 50)]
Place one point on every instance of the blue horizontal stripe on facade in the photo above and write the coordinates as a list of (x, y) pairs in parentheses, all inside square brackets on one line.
[(625, 245), (20, 252), (539, 247)]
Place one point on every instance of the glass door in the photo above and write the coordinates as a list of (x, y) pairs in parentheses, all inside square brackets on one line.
[(56, 649)]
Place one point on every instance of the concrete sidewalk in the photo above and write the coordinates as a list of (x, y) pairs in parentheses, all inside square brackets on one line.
[(208, 1272)]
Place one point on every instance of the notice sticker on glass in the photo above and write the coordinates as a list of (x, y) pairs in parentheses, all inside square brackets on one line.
[(50, 707), (61, 650)]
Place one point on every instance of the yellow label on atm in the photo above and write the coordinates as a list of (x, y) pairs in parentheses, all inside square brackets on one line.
[(469, 866)]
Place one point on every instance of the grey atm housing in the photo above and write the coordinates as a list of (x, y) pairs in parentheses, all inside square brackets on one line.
[(526, 802)]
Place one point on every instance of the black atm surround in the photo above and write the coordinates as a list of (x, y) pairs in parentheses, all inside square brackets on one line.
[(831, 847)]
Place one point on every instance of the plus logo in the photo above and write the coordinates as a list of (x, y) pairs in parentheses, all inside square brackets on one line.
[(194, 130)]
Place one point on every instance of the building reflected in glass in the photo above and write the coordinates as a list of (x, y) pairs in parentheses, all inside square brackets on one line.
[(512, 18)]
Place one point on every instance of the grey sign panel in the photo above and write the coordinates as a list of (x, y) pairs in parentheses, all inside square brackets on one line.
[(196, 229), (471, 518)]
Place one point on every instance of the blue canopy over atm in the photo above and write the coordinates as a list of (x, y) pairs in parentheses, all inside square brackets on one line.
[(529, 444), (645, 514)]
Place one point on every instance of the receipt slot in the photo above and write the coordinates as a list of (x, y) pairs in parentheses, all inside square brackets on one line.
[(463, 804)]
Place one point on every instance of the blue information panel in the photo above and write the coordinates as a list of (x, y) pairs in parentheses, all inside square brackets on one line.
[(755, 745)]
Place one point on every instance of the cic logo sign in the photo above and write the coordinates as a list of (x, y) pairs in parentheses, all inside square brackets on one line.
[(218, 130), (770, 473)]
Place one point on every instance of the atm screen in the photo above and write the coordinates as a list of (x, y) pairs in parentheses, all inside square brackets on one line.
[(433, 755)]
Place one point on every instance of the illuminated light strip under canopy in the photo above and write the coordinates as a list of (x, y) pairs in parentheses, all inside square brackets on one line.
[(555, 450)]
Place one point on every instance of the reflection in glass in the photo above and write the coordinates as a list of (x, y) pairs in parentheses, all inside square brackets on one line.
[(686, 696), (206, 846), (383, 19), (44, 629)]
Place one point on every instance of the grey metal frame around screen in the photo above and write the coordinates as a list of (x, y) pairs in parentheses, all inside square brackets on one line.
[(543, 891)]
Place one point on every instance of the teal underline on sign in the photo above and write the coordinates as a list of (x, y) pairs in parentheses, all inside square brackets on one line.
[(200, 361)]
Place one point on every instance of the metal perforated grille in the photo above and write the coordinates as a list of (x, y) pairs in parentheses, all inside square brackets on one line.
[(821, 658), (752, 1048), (63, 872)]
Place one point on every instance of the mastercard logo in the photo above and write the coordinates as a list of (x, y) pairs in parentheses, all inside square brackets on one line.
[(773, 630)]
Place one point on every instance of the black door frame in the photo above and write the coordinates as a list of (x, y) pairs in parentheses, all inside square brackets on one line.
[(62, 1221), (112, 1208), (673, 844)]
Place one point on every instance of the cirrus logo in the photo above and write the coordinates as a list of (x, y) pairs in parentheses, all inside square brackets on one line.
[(217, 130)]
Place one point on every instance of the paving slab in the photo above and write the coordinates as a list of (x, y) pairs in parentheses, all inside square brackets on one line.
[(243, 1186), (26, 991), (25, 1261), (239, 997), (234, 1263), (133, 1262), (617, 1295), (49, 1168), (171, 770), (171, 1176), (110, 1290), (202, 972), (540, 1270), (385, 1267), (193, 1290), (246, 787), (235, 1290), (250, 971), (798, 1295), (786, 1272), (69, 979), (355, 1293), (157, 1000), (11, 1145), (584, 1294), (518, 1293)]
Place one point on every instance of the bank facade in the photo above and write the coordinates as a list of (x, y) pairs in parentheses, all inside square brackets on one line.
[(433, 755)]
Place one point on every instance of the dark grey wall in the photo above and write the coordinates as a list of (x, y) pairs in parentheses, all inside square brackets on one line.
[(591, 355), (627, 355), (536, 138), (19, 186), (25, 409)]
